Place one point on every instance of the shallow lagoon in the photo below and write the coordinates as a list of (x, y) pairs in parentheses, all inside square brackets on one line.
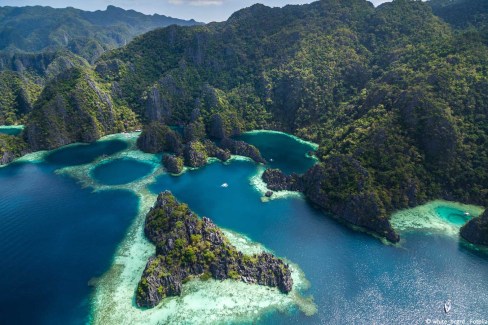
[(11, 129), (70, 233)]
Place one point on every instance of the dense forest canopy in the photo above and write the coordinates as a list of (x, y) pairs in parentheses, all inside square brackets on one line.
[(396, 96)]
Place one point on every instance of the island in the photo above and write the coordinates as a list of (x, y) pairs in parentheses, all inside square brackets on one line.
[(188, 246)]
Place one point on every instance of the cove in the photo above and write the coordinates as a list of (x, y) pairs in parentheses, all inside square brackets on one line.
[(60, 228), (79, 154), (11, 129), (281, 150), (121, 171)]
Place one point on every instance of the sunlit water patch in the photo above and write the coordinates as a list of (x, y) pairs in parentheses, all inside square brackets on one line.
[(11, 129), (438, 216)]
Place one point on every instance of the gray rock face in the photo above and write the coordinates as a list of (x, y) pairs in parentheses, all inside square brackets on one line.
[(476, 230), (157, 137), (188, 246), (214, 151), (276, 180), (242, 148), (195, 154), (173, 164), (326, 188)]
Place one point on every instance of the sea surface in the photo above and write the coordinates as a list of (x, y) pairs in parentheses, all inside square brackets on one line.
[(59, 234)]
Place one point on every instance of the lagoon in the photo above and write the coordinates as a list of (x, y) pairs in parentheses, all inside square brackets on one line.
[(73, 248)]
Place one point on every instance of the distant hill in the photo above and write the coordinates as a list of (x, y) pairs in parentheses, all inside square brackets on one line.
[(396, 96), (39, 43), (88, 34)]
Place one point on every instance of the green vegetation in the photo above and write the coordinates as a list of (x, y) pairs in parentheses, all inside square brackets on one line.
[(396, 95), (88, 34), (75, 108), (187, 246), (11, 147)]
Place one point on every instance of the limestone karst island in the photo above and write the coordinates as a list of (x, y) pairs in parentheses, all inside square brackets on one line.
[(232, 162)]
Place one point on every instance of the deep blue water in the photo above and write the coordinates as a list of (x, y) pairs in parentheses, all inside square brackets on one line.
[(55, 237), (121, 171)]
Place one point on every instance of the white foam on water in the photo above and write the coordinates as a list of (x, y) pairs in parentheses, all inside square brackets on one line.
[(425, 218), (260, 186), (16, 127), (312, 145)]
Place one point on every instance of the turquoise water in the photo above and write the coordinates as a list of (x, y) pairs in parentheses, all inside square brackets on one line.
[(281, 150), (56, 235), (454, 216), (121, 171), (11, 130)]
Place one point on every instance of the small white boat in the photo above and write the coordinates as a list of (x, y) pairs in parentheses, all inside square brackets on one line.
[(447, 306), (466, 213), (225, 185), (270, 159)]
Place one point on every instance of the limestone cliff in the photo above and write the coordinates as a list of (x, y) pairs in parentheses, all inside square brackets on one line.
[(188, 246)]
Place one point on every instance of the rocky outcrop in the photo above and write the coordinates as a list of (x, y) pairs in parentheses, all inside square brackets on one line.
[(73, 108), (476, 230), (173, 164), (195, 154), (342, 187), (276, 180), (11, 147), (242, 148), (157, 137), (187, 246), (216, 152)]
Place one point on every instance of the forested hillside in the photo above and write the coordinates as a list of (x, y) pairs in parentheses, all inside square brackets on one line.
[(39, 43), (396, 96)]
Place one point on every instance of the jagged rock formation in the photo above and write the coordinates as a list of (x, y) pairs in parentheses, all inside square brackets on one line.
[(187, 246), (476, 230), (173, 164), (73, 108), (195, 154), (276, 180), (341, 187), (157, 137), (216, 152), (242, 148), (11, 147)]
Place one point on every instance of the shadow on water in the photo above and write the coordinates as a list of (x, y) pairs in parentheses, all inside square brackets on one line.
[(79, 154)]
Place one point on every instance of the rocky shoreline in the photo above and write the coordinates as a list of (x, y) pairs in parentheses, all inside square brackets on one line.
[(360, 209), (476, 230), (187, 246), (193, 147)]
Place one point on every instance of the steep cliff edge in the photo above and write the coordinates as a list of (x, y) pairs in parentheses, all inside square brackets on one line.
[(188, 246), (11, 147), (476, 230), (74, 108), (342, 187)]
